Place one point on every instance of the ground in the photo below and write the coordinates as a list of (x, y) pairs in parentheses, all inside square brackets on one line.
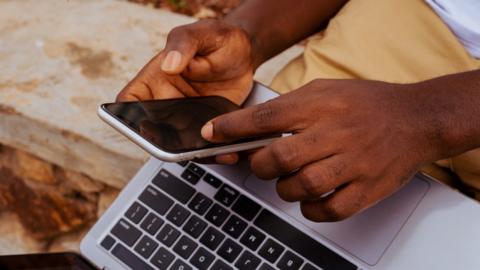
[(196, 8)]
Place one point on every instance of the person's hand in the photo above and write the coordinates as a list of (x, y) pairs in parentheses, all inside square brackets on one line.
[(354, 143), (208, 57)]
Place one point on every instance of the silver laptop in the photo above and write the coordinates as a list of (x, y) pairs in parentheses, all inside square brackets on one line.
[(191, 216)]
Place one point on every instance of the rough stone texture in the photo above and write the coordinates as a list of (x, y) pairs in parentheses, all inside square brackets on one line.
[(45, 214), (67, 243), (105, 200), (14, 239), (32, 168), (60, 60), (37, 216)]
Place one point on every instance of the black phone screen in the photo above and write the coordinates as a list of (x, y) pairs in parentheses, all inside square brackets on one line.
[(54, 261), (173, 125)]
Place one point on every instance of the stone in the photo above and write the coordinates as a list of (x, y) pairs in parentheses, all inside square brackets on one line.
[(105, 200), (78, 181), (15, 239), (34, 169), (61, 60), (44, 214), (67, 243)]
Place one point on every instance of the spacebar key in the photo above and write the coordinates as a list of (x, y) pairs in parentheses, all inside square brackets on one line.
[(130, 259)]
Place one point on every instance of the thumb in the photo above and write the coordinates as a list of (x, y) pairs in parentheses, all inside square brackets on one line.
[(179, 51)]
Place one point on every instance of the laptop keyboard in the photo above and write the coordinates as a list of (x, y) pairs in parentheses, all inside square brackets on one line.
[(172, 226)]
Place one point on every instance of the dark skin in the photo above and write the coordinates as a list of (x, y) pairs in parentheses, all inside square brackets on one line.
[(354, 142)]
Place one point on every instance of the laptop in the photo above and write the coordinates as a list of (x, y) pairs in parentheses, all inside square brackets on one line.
[(186, 215)]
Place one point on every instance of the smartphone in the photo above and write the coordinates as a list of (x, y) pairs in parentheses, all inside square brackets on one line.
[(53, 261), (170, 129)]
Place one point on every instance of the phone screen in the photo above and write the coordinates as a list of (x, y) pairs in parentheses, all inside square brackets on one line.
[(173, 125), (54, 261)]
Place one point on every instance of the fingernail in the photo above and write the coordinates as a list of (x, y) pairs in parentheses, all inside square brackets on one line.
[(172, 61), (207, 131)]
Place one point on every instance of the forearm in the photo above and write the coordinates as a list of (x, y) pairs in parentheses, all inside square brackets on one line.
[(450, 111), (275, 25)]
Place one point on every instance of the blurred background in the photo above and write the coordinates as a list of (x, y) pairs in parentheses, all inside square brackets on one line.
[(60, 166)]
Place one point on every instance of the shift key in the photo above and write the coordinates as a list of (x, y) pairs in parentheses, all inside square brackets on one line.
[(126, 232), (156, 200)]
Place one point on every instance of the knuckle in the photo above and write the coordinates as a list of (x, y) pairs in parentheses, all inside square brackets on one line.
[(311, 182), (179, 32), (284, 156), (264, 115), (334, 212), (336, 171)]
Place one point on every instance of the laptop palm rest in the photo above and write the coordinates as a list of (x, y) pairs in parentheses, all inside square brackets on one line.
[(365, 236)]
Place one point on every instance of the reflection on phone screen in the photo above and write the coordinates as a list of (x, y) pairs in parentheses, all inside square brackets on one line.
[(172, 125)]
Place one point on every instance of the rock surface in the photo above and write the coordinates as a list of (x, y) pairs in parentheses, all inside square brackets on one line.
[(62, 59)]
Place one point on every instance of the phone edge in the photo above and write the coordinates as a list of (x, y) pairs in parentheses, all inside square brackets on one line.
[(175, 157)]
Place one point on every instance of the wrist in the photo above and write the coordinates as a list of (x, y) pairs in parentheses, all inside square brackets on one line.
[(440, 119), (251, 32)]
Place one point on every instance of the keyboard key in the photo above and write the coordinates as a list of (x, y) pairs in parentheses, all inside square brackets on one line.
[(271, 250), (173, 186), (168, 235), (212, 180), (162, 259), (200, 203), (180, 265), (229, 250), (246, 208), (202, 259), (234, 226), (212, 238), (217, 215), (183, 163), (146, 246), (226, 195), (308, 266), (130, 259), (156, 200), (178, 215), (265, 266), (196, 169), (290, 261), (220, 265), (195, 226), (247, 261), (108, 242), (125, 231), (252, 238), (152, 223), (301, 243), (136, 212), (185, 247), (190, 177)]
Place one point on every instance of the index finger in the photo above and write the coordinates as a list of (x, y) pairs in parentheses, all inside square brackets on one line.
[(267, 118)]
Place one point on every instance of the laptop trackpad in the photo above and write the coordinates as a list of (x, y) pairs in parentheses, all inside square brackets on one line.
[(365, 236)]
